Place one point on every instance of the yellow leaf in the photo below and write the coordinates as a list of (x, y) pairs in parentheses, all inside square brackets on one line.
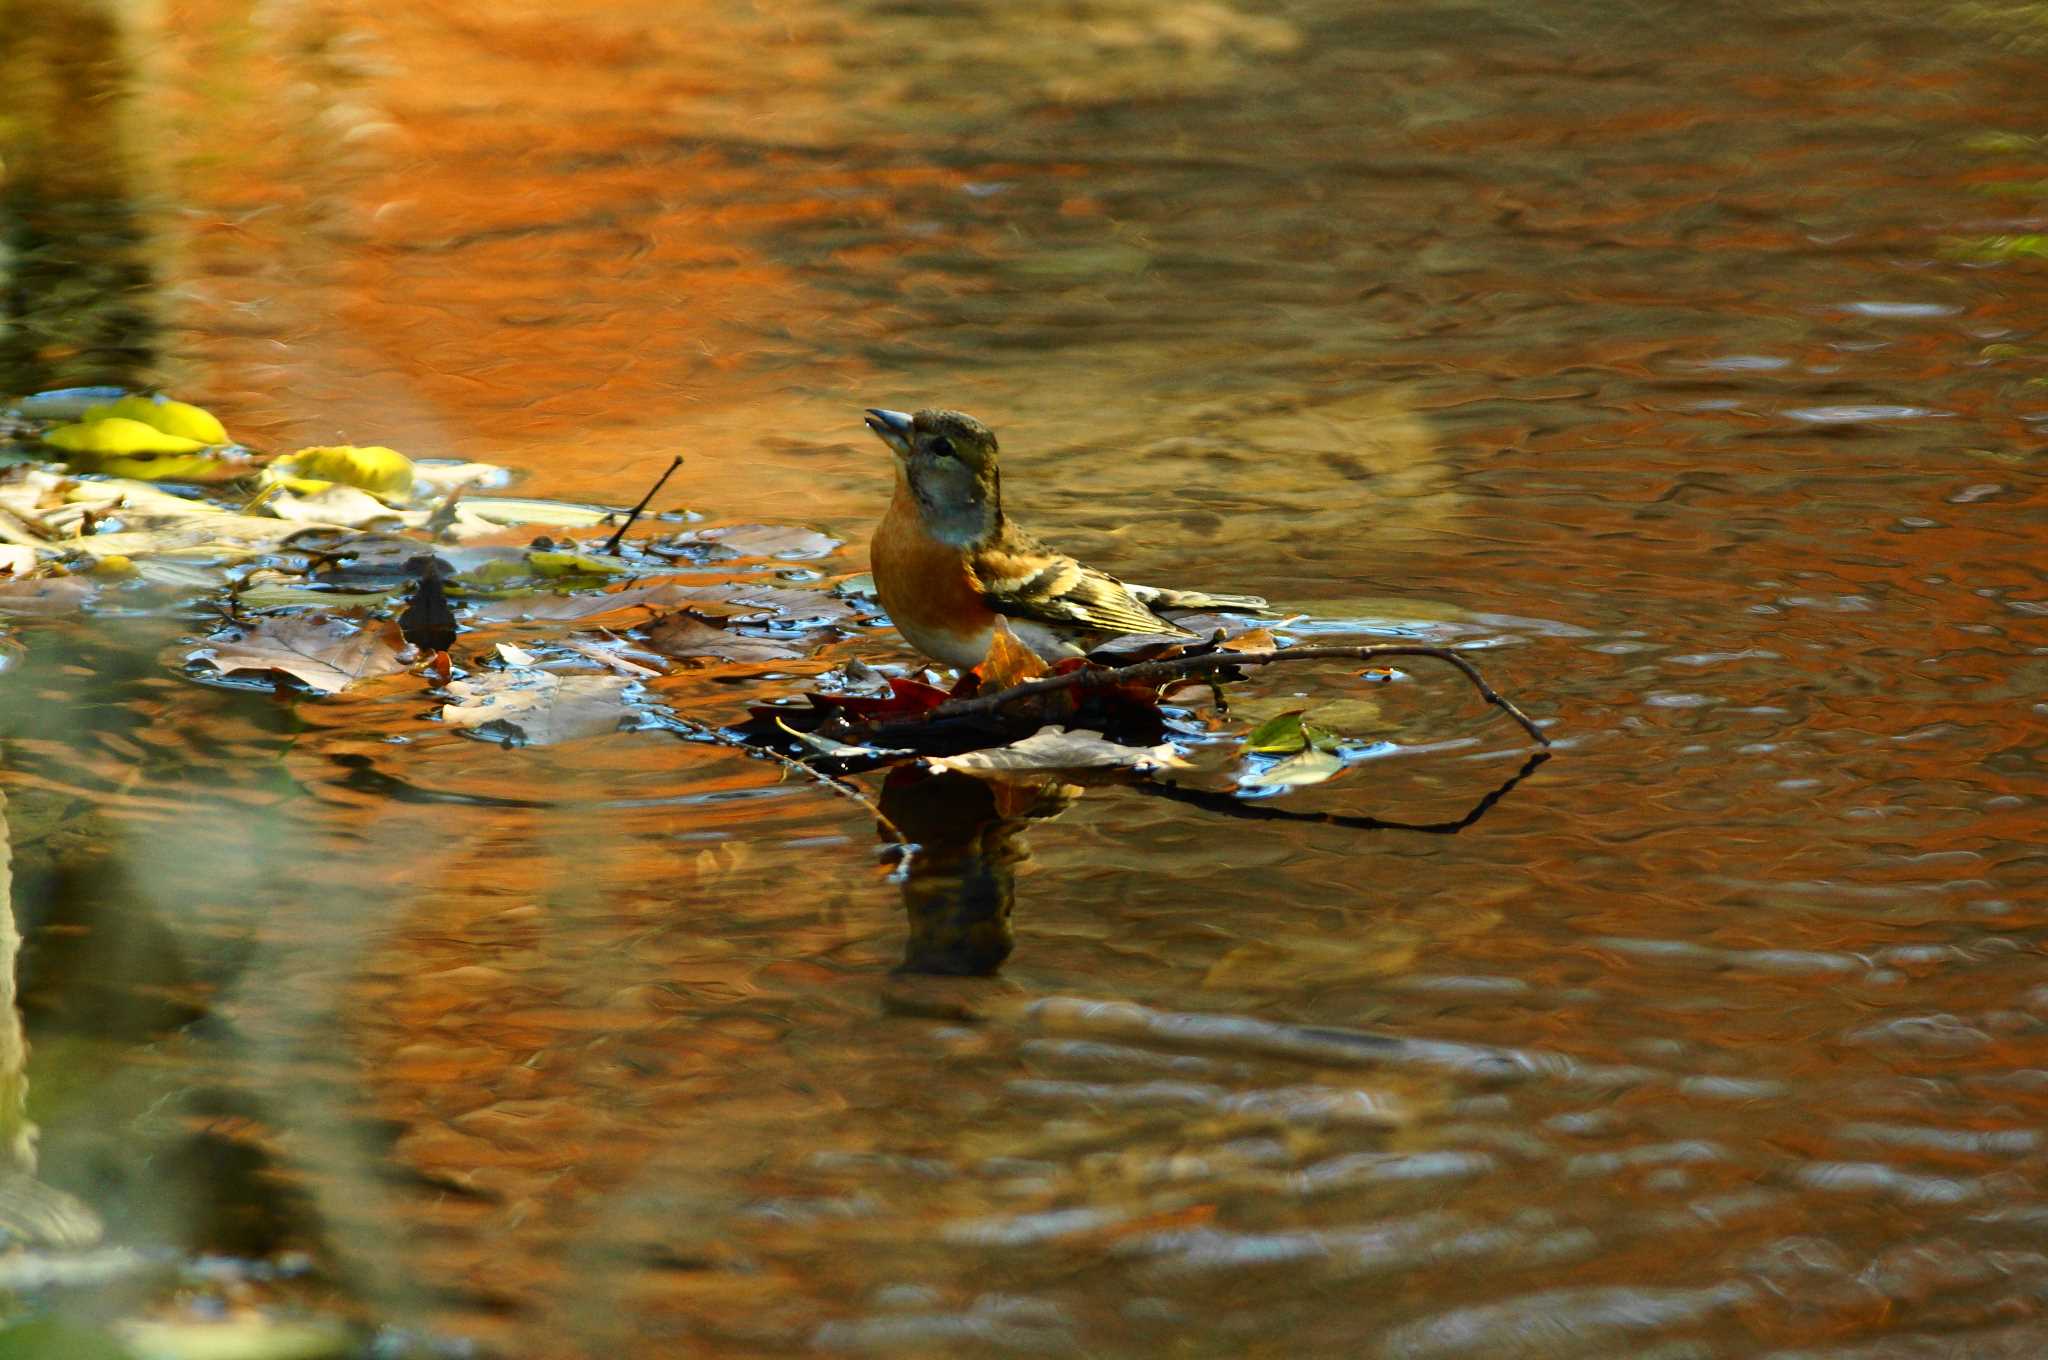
[(372, 468), (118, 436), (179, 418)]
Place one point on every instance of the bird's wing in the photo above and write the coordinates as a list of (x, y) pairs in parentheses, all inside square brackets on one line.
[(1159, 598), (1027, 580)]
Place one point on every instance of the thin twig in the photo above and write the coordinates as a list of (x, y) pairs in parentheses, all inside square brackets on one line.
[(1228, 804), (611, 545), (906, 848), (1170, 668)]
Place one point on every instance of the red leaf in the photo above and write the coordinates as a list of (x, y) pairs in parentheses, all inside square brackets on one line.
[(907, 699)]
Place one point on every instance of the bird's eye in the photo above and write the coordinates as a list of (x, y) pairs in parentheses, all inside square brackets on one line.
[(943, 447)]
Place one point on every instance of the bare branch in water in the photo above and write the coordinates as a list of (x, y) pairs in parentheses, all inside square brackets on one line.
[(845, 788), (611, 545), (1173, 668), (1228, 804)]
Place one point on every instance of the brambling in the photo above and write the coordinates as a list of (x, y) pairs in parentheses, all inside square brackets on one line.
[(948, 562)]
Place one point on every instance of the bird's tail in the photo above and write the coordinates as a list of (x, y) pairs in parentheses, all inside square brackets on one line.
[(1161, 600)]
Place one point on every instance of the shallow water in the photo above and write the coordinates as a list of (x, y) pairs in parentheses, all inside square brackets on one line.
[(1662, 355)]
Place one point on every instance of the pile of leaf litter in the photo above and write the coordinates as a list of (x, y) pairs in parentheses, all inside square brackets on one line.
[(339, 567)]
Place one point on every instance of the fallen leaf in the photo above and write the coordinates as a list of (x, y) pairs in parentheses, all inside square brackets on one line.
[(1311, 765), (283, 596), (510, 510), (906, 699), (560, 563), (442, 478), (117, 436), (650, 598), (1288, 732), (1009, 662), (757, 540), (787, 604), (685, 634), (1281, 732), (326, 653), (1056, 748), (1336, 718), (148, 522), (196, 1336), (177, 418), (373, 468), (538, 707), (1251, 640), (67, 500), (345, 506), (44, 595)]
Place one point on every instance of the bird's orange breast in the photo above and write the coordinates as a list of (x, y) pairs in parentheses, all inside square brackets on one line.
[(928, 587)]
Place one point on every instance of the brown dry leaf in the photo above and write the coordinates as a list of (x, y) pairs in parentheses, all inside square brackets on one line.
[(537, 707), (1205, 624), (1251, 640), (1009, 662), (43, 595), (327, 653), (1055, 748), (686, 634)]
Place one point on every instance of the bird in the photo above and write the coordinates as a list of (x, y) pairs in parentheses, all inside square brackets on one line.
[(948, 563)]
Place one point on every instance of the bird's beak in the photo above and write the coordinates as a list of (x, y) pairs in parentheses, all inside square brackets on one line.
[(894, 429)]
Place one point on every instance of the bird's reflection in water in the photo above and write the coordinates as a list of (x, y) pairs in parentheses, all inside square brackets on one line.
[(960, 886)]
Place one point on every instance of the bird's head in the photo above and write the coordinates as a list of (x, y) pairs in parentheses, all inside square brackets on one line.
[(949, 462)]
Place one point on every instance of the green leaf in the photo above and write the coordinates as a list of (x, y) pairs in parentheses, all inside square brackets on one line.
[(1996, 249), (117, 436), (1999, 143), (1280, 734), (281, 595), (249, 1336), (178, 418), (42, 1337), (556, 563), (495, 572)]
